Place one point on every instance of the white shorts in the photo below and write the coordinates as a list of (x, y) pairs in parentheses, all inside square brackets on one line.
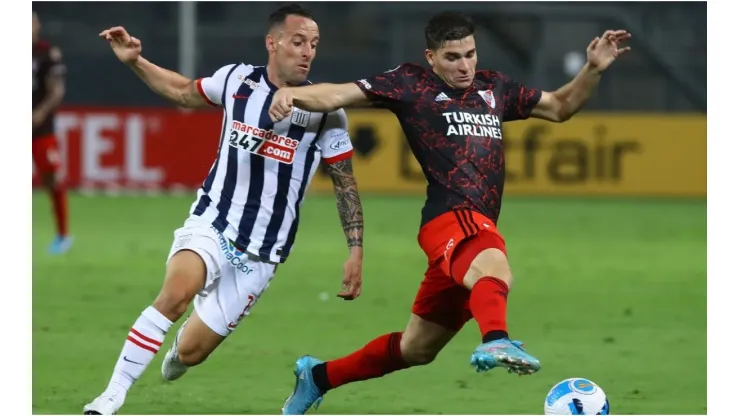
[(234, 280)]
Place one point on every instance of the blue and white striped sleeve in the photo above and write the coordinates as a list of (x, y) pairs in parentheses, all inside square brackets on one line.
[(212, 88)]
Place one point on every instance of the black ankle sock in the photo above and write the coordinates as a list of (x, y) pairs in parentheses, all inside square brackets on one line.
[(321, 378), (492, 336)]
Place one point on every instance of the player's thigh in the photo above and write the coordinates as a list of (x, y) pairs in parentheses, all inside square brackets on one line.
[(481, 255), (45, 151), (422, 340), (441, 301), (229, 299), (193, 263)]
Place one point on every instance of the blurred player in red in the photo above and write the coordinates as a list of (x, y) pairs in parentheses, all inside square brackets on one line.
[(452, 117), (48, 92)]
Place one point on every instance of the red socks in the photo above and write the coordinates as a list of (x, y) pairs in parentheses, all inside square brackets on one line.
[(379, 357), (488, 306), (59, 202), (382, 355)]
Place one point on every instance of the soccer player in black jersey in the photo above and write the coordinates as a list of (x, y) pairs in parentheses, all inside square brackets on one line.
[(452, 116), (48, 93)]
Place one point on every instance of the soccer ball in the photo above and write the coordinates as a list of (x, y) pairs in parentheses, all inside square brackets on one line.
[(576, 396)]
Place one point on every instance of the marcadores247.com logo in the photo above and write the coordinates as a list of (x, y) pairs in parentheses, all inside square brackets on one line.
[(265, 143)]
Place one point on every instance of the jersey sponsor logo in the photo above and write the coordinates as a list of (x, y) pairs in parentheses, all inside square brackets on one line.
[(341, 144), (233, 256), (467, 124), (488, 98), (300, 117), (265, 143), (339, 141), (253, 85), (442, 97)]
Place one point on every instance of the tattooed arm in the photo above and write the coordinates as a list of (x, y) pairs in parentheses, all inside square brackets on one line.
[(348, 202), (336, 150)]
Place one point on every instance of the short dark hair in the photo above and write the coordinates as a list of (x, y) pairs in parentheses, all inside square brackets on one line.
[(277, 17), (446, 26)]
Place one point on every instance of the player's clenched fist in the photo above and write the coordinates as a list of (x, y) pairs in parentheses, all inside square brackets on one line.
[(126, 47), (282, 104)]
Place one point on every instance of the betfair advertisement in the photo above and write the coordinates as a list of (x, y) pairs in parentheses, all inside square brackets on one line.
[(591, 154)]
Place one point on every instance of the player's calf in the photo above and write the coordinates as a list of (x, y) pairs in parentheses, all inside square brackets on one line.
[(419, 344), (58, 195), (422, 340), (185, 276)]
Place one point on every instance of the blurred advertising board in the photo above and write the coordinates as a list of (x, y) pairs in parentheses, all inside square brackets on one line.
[(592, 154)]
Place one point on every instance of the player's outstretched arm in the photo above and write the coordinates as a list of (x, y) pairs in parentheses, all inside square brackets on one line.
[(323, 98), (561, 105), (174, 87)]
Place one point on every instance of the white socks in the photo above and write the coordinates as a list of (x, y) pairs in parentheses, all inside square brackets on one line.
[(143, 341)]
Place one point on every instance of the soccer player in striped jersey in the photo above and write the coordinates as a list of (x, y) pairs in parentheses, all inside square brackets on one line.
[(244, 220)]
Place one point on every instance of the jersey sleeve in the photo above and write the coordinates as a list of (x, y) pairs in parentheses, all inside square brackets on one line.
[(56, 65), (390, 88), (212, 88), (520, 100), (334, 142)]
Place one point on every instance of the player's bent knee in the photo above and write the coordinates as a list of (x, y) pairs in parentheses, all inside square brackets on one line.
[(490, 262), (192, 356), (185, 276), (173, 303), (197, 341)]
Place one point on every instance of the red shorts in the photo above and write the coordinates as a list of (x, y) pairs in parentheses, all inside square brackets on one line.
[(451, 243), (46, 154)]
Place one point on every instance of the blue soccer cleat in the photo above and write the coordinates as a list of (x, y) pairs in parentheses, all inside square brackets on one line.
[(60, 245), (306, 393), (504, 353)]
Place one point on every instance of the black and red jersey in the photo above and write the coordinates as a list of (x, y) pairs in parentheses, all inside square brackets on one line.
[(455, 134)]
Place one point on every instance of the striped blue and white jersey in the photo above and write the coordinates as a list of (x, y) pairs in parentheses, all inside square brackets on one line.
[(255, 188)]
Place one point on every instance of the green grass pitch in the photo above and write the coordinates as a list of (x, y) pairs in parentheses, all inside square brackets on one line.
[(611, 290)]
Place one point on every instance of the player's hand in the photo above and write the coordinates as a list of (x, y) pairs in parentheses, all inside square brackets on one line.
[(282, 104), (38, 118), (126, 47), (603, 51), (352, 281)]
